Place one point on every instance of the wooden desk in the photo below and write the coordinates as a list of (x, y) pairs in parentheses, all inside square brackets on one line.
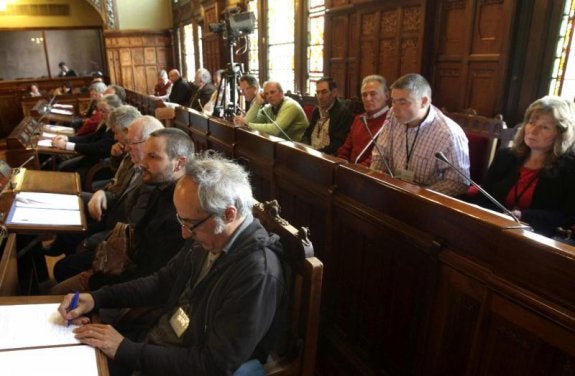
[(22, 143), (9, 284), (47, 182), (101, 360)]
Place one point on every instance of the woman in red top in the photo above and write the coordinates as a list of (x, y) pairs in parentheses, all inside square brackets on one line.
[(535, 178)]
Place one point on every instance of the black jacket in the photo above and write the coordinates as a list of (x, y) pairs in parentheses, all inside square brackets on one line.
[(340, 119), (234, 307), (553, 202)]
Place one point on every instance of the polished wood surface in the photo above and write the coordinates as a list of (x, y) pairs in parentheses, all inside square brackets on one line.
[(415, 282), (9, 284), (102, 361)]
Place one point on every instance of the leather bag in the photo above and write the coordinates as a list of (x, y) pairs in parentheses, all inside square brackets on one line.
[(113, 254)]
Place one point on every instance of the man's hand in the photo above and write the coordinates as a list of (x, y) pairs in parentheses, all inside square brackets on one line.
[(97, 204), (59, 142), (85, 305), (239, 121), (117, 149), (260, 99), (101, 336)]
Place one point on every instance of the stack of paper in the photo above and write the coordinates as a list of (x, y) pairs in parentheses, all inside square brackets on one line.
[(36, 341), (36, 208)]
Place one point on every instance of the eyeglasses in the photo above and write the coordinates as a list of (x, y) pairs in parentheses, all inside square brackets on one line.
[(194, 226), (134, 142)]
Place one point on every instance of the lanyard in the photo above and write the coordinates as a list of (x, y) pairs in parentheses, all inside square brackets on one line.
[(408, 152)]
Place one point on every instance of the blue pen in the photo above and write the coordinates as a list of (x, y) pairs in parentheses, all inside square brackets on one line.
[(73, 304)]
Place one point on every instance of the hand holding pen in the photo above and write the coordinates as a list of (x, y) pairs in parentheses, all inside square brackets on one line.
[(73, 306)]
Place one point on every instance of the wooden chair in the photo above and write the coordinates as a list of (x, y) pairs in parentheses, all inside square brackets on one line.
[(307, 273), (483, 134)]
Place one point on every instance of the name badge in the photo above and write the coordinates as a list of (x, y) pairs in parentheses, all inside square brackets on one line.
[(406, 175), (179, 322)]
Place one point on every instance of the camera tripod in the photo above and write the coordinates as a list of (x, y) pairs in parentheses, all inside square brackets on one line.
[(226, 105)]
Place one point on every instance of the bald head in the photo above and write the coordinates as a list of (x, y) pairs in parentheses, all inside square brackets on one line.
[(174, 75)]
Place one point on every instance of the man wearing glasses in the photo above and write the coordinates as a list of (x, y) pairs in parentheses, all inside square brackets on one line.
[(161, 156), (222, 297)]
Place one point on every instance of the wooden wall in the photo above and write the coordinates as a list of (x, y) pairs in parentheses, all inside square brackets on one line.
[(135, 57), (415, 283)]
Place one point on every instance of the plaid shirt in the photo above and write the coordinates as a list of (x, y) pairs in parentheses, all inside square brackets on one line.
[(437, 133)]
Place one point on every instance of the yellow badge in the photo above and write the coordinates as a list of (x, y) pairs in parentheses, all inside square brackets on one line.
[(405, 175), (179, 322)]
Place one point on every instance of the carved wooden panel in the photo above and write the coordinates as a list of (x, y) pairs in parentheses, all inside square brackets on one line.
[(454, 29), (475, 35), (339, 36), (410, 56), (483, 86), (140, 55), (150, 56), (491, 29)]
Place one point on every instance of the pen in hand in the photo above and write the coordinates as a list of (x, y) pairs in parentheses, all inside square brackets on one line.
[(73, 305)]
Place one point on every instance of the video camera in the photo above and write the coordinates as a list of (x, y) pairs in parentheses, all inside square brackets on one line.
[(236, 24)]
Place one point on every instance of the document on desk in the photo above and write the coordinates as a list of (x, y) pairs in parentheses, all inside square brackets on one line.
[(54, 361), (47, 143), (37, 208), (33, 325), (59, 129)]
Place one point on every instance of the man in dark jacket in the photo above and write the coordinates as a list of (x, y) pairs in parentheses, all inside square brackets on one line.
[(330, 120), (221, 296), (180, 94), (156, 232)]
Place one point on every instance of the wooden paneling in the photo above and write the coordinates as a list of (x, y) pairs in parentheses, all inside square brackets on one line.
[(132, 56), (472, 44), (375, 38)]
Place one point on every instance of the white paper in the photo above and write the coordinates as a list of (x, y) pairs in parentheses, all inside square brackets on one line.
[(45, 143), (30, 325), (48, 135), (58, 128), (47, 201), (54, 361), (61, 105), (61, 112), (35, 216), (35, 208)]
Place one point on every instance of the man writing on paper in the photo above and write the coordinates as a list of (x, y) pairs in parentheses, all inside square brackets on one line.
[(224, 296), (275, 114)]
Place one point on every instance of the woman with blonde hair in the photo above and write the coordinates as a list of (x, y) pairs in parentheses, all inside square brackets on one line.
[(535, 178)]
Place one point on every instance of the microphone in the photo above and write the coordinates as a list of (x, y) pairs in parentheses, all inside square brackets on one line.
[(277, 125), (373, 140), (17, 171), (439, 155)]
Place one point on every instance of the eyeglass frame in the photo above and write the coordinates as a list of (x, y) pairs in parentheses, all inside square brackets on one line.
[(195, 226), (134, 142)]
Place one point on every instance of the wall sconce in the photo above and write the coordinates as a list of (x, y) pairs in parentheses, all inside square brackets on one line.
[(38, 40)]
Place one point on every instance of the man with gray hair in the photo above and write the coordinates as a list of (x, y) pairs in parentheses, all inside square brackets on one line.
[(223, 296), (359, 141), (417, 130), (180, 94), (202, 89)]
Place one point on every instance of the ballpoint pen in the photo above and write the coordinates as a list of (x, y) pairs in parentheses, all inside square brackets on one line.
[(73, 304)]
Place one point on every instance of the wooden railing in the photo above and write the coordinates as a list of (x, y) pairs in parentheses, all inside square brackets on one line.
[(416, 283)]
